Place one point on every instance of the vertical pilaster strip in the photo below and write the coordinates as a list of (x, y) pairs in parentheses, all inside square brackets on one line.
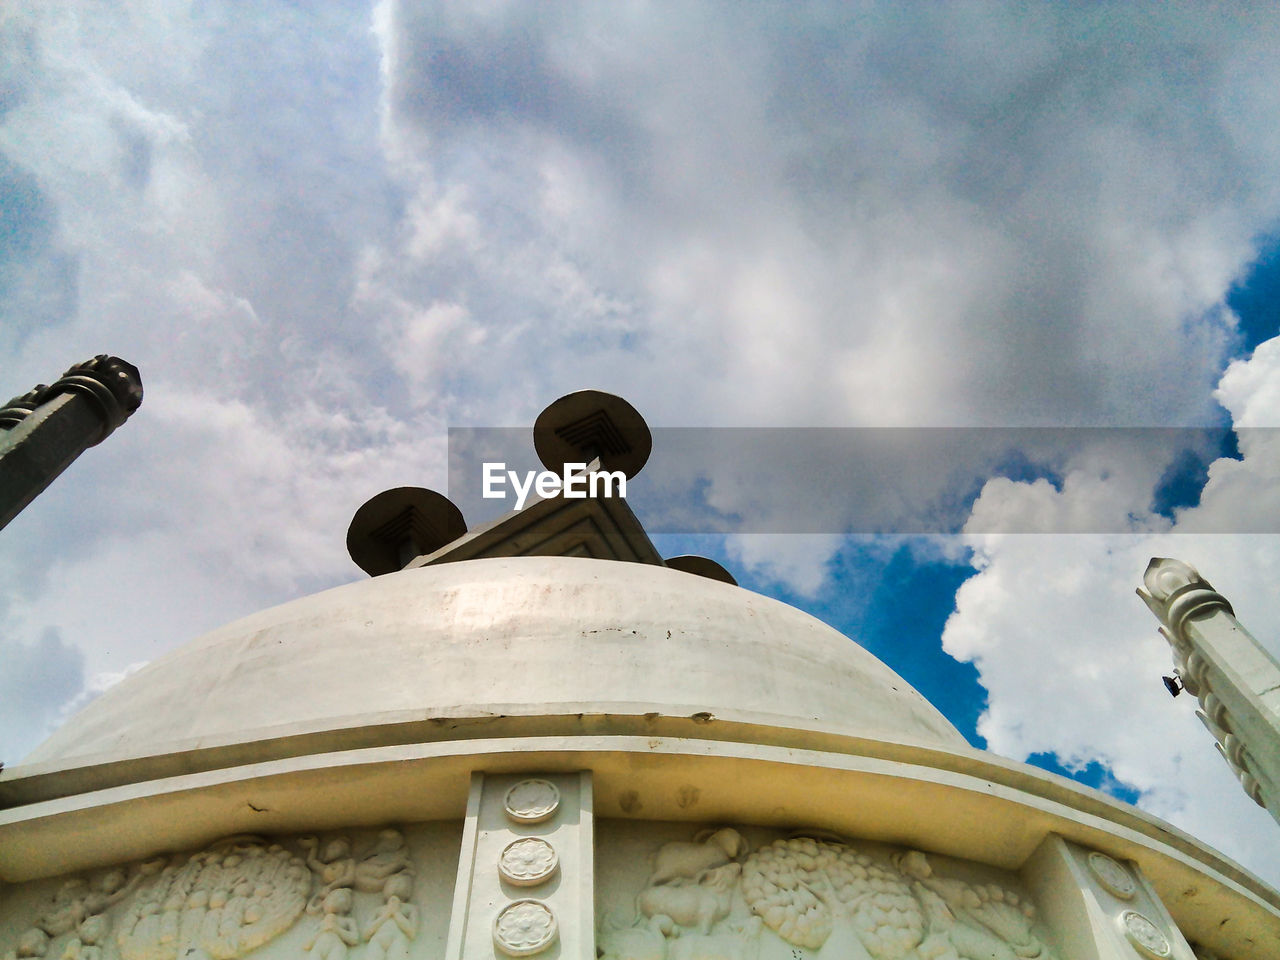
[(585, 948), (466, 869), (1099, 908), (525, 882)]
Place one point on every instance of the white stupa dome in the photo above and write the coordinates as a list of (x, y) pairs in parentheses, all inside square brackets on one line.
[(505, 637)]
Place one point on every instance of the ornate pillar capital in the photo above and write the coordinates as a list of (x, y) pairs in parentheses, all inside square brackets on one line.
[(114, 386), (1175, 593)]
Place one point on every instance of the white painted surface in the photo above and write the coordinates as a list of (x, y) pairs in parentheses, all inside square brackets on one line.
[(524, 636)]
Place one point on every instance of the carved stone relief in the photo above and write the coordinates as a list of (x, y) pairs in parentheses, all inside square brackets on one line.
[(1145, 935), (714, 898), (524, 927), (221, 902), (331, 896), (1113, 877), (532, 801), (528, 862)]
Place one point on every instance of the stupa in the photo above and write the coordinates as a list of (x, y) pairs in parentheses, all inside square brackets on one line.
[(540, 738)]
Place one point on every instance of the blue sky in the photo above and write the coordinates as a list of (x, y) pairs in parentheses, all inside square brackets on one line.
[(327, 233)]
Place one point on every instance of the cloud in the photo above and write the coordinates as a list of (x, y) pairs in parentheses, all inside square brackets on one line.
[(887, 206), (38, 677), (1070, 657), (325, 233)]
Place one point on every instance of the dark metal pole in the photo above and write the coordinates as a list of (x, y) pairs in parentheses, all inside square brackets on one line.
[(43, 430)]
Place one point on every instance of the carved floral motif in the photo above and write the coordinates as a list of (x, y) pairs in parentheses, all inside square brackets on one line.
[(528, 861), (524, 927), (1145, 935), (532, 801), (1113, 877)]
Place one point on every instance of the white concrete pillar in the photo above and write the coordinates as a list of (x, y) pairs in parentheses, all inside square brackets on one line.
[(526, 870), (1235, 679), (1101, 908)]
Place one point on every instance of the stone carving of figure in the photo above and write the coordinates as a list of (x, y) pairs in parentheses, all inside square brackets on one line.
[(396, 923), (692, 903), (691, 886), (33, 943), (217, 905), (389, 858), (689, 861), (337, 930), (90, 936), (335, 869), (69, 908), (114, 885), (983, 908)]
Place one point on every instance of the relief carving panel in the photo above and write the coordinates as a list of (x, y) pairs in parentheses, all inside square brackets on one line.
[(325, 898), (717, 896)]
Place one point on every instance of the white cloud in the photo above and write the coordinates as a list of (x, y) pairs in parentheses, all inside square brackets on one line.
[(1070, 657), (323, 234), (38, 677)]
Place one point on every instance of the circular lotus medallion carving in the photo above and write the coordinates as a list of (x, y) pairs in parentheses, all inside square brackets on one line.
[(532, 801), (1146, 936), (1114, 878), (527, 861), (524, 928)]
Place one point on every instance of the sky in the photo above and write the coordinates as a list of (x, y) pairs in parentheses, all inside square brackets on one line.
[(327, 233)]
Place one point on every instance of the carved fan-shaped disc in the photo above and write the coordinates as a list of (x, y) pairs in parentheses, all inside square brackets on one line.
[(226, 901)]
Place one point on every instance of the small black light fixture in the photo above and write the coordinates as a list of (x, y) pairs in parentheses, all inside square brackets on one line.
[(1173, 685)]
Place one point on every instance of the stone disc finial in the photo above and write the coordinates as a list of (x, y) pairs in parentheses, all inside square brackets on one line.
[(581, 426), (700, 567), (400, 524)]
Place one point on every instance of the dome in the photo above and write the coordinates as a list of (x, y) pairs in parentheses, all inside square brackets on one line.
[(503, 638), (547, 691)]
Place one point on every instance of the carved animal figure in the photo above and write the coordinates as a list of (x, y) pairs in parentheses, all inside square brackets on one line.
[(693, 903), (681, 859)]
